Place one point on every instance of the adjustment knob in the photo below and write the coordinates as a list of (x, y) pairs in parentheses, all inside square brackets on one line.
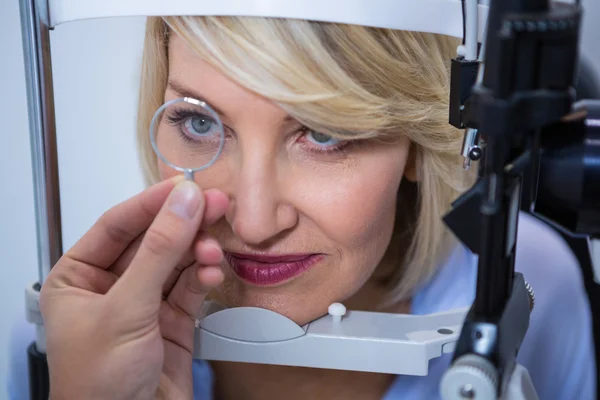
[(471, 377)]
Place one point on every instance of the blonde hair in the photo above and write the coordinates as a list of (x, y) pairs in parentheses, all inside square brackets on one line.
[(344, 80)]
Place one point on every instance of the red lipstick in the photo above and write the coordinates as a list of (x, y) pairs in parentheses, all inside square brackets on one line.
[(269, 270)]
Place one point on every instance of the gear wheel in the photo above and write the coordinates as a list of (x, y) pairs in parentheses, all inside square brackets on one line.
[(531, 295)]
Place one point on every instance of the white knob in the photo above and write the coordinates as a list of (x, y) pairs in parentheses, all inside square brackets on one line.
[(337, 311), (471, 377), (461, 51)]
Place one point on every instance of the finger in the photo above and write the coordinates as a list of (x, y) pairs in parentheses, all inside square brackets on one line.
[(186, 301), (207, 251), (216, 205), (188, 261), (128, 255), (74, 274), (119, 267), (192, 287), (210, 252), (118, 227), (167, 239)]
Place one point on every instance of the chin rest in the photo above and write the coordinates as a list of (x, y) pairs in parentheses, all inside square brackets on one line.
[(399, 344)]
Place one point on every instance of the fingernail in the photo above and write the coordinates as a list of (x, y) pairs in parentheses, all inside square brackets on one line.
[(185, 199)]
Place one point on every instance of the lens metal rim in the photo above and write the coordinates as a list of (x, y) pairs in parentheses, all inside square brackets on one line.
[(153, 131)]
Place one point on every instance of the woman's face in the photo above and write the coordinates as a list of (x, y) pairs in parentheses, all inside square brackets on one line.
[(310, 217)]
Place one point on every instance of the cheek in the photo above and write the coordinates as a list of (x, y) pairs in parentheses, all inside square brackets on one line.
[(356, 210), (351, 216), (360, 216), (165, 171)]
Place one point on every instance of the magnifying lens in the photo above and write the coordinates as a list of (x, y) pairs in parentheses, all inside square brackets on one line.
[(187, 135)]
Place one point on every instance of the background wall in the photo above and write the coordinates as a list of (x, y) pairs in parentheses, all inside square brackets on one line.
[(95, 79)]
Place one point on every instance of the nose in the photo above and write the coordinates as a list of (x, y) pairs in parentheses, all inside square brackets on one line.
[(258, 210)]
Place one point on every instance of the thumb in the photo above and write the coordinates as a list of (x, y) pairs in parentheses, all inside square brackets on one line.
[(166, 241)]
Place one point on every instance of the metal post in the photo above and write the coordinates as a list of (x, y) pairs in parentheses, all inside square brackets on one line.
[(35, 29), (42, 130)]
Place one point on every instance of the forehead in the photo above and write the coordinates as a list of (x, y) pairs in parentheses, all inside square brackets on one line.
[(187, 67), (180, 52), (195, 74)]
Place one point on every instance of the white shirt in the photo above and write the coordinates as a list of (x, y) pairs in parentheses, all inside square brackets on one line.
[(558, 350)]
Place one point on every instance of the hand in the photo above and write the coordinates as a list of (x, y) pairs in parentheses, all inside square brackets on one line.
[(120, 306)]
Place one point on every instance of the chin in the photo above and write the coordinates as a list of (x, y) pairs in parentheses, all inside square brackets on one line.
[(302, 297), (300, 306)]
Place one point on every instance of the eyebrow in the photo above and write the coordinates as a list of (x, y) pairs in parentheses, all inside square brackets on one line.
[(184, 91)]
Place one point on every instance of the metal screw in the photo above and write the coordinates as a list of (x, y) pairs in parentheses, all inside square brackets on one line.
[(475, 153), (467, 391)]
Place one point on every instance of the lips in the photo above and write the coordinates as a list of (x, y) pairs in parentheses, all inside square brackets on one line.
[(269, 270)]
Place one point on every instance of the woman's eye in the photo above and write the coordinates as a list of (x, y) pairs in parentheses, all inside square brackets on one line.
[(198, 126), (321, 139)]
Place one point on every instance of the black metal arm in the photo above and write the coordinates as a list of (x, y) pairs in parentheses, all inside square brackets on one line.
[(523, 110)]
